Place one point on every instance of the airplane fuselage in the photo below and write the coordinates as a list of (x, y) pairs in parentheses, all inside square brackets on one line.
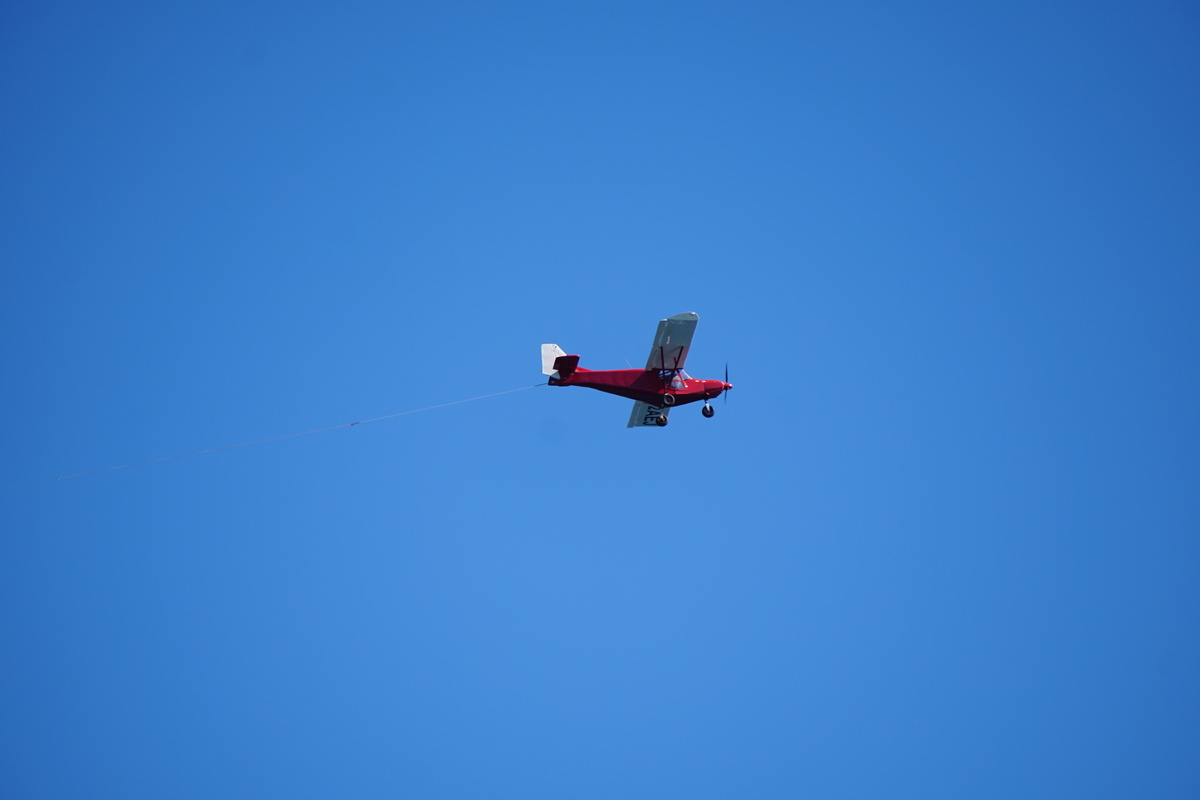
[(645, 385)]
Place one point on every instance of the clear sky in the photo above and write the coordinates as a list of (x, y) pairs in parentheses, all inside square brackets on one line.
[(942, 542)]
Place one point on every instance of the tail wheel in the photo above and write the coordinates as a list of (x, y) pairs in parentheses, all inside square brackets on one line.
[(708, 410)]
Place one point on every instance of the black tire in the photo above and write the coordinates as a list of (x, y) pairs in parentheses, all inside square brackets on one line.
[(661, 422), (708, 411), (668, 399)]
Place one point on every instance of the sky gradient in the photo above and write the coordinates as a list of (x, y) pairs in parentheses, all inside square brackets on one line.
[(941, 542)]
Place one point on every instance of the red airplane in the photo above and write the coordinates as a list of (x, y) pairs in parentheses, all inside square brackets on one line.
[(656, 389)]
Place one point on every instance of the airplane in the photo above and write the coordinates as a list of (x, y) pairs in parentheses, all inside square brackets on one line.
[(655, 390)]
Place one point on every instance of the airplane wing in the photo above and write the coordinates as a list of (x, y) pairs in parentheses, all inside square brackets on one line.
[(645, 415), (672, 341)]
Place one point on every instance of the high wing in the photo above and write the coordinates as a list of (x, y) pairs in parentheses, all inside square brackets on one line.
[(645, 415), (673, 341)]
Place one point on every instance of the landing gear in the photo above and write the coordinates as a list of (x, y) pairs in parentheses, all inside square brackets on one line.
[(661, 421), (708, 410)]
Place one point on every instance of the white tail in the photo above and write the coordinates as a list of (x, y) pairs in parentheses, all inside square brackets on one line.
[(549, 353)]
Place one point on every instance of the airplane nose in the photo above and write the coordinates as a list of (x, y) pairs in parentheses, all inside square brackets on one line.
[(716, 387)]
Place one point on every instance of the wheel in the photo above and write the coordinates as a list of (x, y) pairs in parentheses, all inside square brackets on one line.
[(708, 410), (661, 422), (668, 399)]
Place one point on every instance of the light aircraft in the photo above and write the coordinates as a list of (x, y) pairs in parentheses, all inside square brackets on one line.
[(655, 390)]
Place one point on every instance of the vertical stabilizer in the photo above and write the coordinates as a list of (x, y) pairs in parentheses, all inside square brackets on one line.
[(550, 353)]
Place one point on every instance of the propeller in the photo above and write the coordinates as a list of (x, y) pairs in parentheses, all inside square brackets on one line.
[(726, 392)]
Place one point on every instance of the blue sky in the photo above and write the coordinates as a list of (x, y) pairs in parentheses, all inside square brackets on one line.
[(941, 541)]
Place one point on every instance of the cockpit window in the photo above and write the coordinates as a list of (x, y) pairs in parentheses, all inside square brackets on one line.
[(675, 378)]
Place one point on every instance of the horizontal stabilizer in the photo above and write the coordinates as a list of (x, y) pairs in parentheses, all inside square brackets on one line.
[(565, 365)]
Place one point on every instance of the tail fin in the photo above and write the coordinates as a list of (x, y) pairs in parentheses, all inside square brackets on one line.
[(556, 363), (550, 353)]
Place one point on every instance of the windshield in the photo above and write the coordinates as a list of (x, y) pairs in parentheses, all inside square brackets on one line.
[(675, 378)]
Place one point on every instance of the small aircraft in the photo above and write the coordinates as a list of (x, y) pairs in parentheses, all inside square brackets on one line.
[(656, 389)]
